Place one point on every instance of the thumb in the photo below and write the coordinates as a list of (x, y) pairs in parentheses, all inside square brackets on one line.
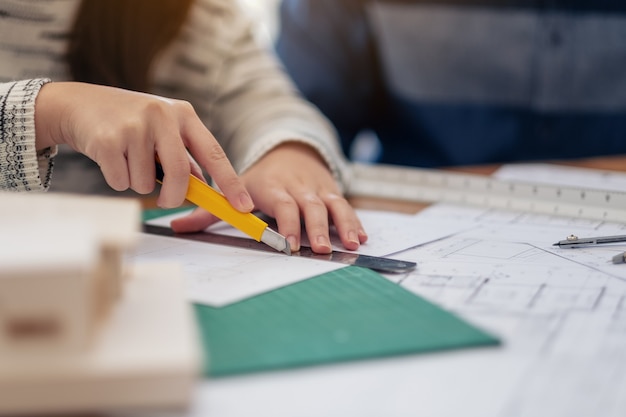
[(196, 221)]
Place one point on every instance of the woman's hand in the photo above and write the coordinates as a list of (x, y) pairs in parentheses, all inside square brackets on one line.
[(123, 131), (292, 184)]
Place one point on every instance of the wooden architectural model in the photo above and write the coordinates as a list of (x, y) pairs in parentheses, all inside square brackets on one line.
[(81, 327)]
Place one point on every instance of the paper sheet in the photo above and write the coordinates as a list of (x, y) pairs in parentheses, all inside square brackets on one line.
[(218, 275)]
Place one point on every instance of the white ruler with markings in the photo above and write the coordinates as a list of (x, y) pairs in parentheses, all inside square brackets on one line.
[(429, 185)]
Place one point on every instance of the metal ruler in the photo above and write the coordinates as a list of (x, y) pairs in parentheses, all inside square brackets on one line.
[(348, 258), (429, 185)]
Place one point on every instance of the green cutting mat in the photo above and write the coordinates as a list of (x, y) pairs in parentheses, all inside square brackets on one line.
[(348, 314), (149, 214)]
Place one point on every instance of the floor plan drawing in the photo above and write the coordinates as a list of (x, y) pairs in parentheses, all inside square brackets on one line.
[(564, 310)]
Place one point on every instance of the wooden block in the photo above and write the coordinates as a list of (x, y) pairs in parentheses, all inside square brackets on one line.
[(46, 287), (146, 355), (75, 335), (115, 222)]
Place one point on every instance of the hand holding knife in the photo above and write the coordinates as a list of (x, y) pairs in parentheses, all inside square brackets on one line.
[(205, 196)]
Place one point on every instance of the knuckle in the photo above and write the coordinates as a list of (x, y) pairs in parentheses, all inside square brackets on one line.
[(231, 182), (178, 109), (285, 201), (117, 181), (334, 197), (143, 186), (184, 107), (178, 168), (216, 153), (155, 107), (159, 110), (311, 199)]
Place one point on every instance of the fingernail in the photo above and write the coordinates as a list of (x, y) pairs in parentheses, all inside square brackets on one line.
[(353, 237), (246, 201), (293, 243), (323, 241)]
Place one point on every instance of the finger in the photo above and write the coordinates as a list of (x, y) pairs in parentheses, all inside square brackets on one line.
[(176, 170), (347, 223), (286, 212), (114, 167), (315, 221), (196, 221), (211, 156), (141, 165), (196, 171)]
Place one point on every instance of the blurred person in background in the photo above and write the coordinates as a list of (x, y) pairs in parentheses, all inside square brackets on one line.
[(461, 82)]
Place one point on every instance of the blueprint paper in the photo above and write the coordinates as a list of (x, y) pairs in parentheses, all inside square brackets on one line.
[(561, 322), (389, 232), (561, 315), (219, 275)]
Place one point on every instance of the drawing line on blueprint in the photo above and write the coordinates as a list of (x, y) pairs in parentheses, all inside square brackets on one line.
[(564, 312)]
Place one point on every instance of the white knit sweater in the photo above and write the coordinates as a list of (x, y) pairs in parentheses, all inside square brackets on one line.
[(235, 85)]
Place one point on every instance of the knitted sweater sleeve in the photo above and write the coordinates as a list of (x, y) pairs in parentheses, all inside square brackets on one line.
[(22, 167)]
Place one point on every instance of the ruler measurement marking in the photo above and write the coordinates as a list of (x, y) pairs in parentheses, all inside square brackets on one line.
[(422, 185)]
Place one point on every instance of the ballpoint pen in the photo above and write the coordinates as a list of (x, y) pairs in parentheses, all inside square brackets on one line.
[(205, 196), (573, 241)]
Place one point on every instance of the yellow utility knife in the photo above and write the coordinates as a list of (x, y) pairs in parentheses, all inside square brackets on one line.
[(203, 195)]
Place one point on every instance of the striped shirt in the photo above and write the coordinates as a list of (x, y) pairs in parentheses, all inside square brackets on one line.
[(236, 86), (452, 82)]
